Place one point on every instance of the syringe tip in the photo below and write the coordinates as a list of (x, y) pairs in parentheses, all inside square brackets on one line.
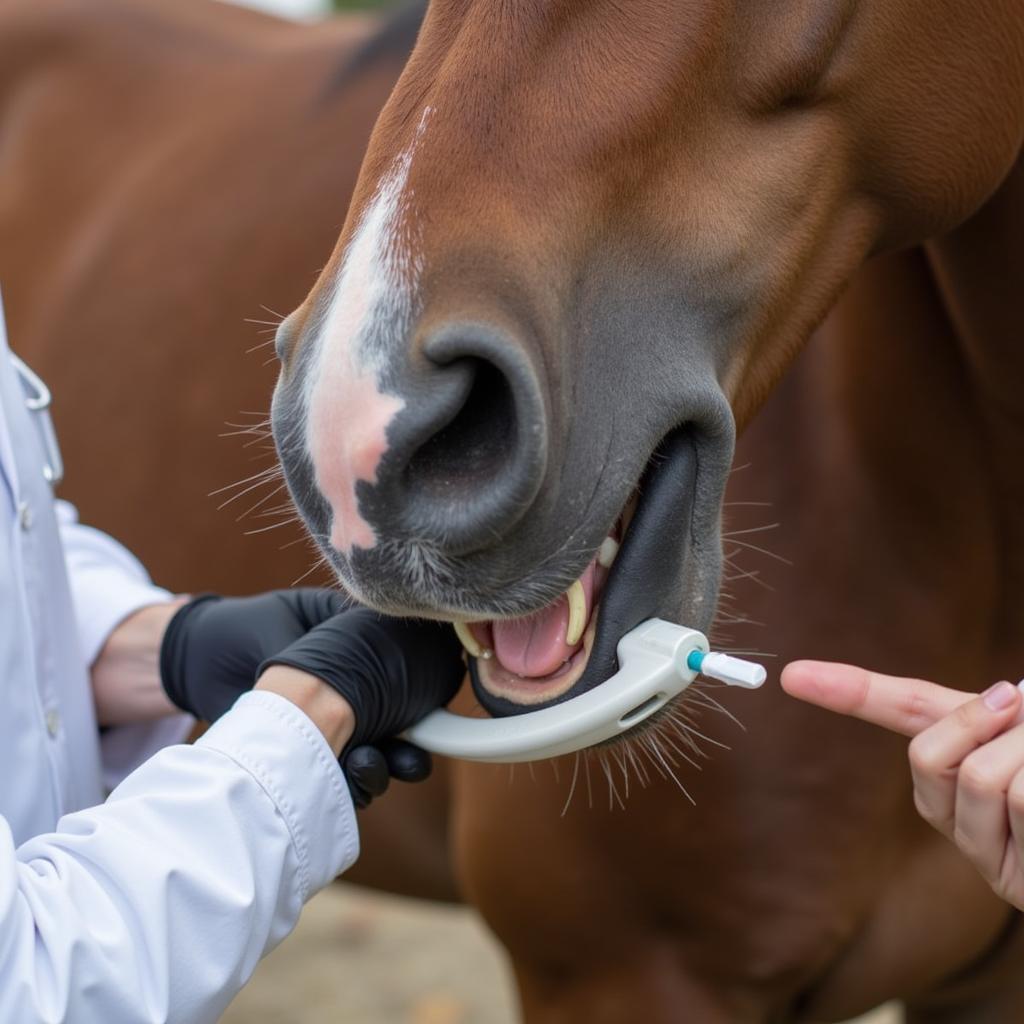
[(734, 671)]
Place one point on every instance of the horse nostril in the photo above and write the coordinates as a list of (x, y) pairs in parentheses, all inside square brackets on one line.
[(471, 444), (473, 447), (285, 336)]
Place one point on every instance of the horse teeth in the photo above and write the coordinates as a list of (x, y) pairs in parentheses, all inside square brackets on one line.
[(607, 551), (577, 613), (470, 642)]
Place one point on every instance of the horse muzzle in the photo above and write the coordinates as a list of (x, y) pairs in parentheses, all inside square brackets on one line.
[(447, 489)]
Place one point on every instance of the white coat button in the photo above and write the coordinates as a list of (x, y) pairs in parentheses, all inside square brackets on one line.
[(25, 517), (53, 722)]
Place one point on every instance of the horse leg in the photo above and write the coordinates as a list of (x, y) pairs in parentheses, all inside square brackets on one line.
[(648, 988), (991, 991)]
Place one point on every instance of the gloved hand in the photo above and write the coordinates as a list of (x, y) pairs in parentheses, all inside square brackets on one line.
[(214, 648), (392, 672)]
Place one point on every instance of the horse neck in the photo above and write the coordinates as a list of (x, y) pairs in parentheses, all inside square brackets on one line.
[(979, 275), (922, 387), (979, 278), (904, 418)]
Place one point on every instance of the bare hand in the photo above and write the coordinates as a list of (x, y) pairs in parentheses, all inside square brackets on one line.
[(329, 712), (126, 683), (966, 756)]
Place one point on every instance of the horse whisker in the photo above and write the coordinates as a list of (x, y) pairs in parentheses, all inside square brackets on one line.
[(752, 529), (686, 757), (263, 474), (266, 497), (762, 551), (671, 774), (690, 732), (272, 526), (703, 697), (613, 793), (572, 786)]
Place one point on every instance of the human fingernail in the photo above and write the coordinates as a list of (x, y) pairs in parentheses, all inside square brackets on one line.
[(998, 697)]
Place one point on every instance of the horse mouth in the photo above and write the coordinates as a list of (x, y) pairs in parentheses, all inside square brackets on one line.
[(537, 658), (563, 650)]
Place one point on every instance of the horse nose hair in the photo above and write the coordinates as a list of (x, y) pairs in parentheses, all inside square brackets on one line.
[(471, 444)]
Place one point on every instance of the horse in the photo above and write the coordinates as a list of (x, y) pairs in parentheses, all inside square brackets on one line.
[(799, 884), (588, 243)]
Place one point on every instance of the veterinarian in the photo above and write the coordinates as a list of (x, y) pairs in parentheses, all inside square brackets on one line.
[(156, 904), (966, 756)]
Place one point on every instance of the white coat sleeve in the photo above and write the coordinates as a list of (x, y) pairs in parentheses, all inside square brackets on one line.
[(157, 905), (108, 583)]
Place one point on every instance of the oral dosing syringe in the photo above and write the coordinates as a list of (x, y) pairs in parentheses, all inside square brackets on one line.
[(657, 661)]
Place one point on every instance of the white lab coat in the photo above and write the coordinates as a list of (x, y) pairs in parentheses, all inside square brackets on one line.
[(157, 904)]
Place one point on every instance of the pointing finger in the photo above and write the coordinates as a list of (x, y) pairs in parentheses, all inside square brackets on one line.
[(903, 705)]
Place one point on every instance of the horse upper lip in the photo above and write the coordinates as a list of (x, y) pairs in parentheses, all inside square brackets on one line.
[(643, 582)]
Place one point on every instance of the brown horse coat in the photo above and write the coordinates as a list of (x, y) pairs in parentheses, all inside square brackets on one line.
[(165, 169)]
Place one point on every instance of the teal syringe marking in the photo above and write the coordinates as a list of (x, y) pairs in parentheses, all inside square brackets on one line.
[(725, 668)]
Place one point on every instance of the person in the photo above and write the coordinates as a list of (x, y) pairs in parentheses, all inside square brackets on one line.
[(966, 756), (156, 903)]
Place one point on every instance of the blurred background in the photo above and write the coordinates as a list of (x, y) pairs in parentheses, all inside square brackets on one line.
[(306, 9)]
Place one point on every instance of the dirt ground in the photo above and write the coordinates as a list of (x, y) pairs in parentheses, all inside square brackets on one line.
[(362, 958)]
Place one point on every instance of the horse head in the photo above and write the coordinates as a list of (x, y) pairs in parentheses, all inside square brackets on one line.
[(586, 240)]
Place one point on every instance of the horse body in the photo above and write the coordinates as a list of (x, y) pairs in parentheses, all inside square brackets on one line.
[(564, 253), (785, 894), (800, 885)]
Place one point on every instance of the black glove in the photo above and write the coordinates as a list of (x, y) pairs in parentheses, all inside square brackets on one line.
[(392, 672), (212, 648), (370, 768)]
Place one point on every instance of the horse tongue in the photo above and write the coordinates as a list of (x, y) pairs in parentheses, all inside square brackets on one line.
[(534, 645)]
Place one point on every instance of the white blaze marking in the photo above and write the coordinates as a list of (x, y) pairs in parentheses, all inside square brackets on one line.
[(367, 321)]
